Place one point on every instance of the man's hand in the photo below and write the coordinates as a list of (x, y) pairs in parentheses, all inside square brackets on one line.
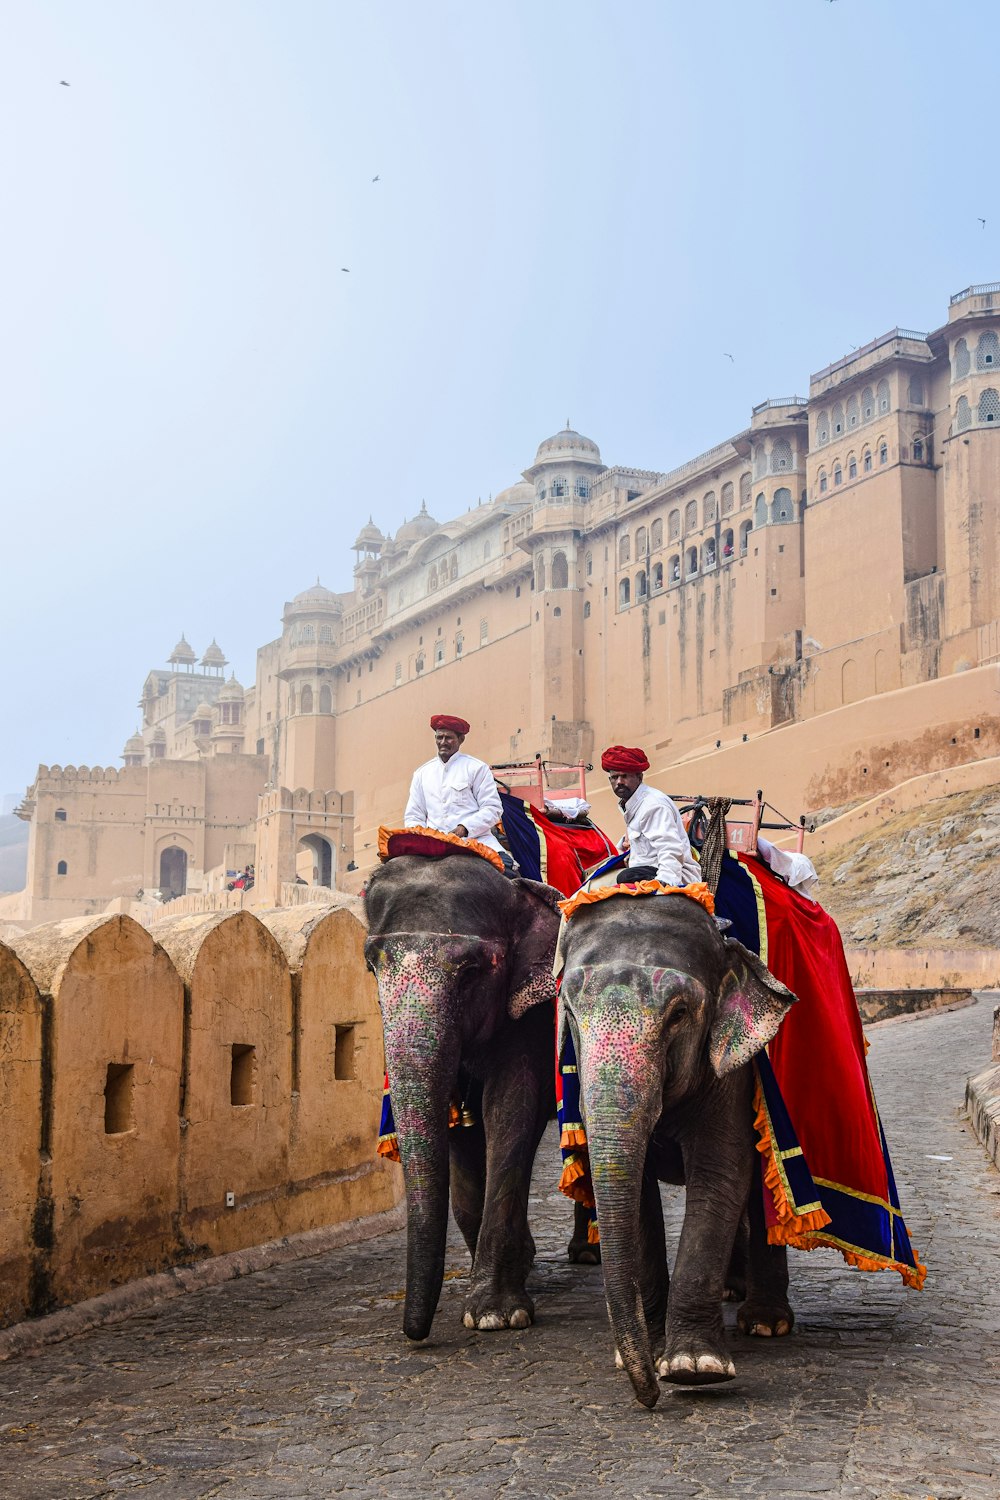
[(461, 830)]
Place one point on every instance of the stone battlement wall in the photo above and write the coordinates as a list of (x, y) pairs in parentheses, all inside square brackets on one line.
[(146, 1076)]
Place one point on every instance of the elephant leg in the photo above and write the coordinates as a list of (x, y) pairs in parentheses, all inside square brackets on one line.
[(467, 1145), (717, 1166), (516, 1098), (736, 1276), (580, 1251), (766, 1311)]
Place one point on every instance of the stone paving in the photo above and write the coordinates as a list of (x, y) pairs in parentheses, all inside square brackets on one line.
[(297, 1382)]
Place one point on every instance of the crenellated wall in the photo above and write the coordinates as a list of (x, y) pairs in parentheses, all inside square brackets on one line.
[(145, 1075)]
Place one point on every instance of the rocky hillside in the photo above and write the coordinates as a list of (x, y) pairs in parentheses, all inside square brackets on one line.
[(926, 878)]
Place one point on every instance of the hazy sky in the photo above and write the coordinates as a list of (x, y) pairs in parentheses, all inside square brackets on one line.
[(582, 206)]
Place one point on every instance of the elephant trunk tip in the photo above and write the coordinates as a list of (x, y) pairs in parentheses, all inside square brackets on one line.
[(646, 1387), (417, 1327)]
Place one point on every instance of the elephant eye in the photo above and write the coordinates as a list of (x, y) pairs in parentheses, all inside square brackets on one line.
[(679, 1013)]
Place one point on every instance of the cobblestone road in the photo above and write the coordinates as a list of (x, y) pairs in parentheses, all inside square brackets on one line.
[(297, 1382)]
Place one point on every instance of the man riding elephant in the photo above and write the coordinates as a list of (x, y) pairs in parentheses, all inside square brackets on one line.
[(455, 792)]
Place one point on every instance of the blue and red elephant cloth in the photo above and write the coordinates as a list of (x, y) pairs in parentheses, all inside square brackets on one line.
[(826, 1176)]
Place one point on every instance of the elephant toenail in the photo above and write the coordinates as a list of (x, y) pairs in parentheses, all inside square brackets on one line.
[(520, 1318), (490, 1322)]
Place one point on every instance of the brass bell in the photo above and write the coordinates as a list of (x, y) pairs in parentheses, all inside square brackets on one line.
[(468, 1118)]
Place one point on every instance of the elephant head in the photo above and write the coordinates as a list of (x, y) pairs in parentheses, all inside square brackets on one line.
[(660, 1005), (459, 951)]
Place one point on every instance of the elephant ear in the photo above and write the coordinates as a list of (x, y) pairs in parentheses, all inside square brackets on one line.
[(751, 1005), (533, 946)]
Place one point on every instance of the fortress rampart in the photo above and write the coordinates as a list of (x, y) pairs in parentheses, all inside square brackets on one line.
[(146, 1076)]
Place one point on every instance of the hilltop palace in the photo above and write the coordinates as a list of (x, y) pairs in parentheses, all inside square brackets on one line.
[(813, 605)]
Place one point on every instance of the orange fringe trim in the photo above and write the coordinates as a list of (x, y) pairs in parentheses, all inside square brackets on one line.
[(593, 1233), (791, 1226), (572, 1138), (470, 846), (574, 1182), (388, 1146), (698, 891)]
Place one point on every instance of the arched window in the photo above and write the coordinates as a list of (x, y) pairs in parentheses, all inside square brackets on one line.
[(781, 505), (624, 550), (540, 573), (61, 867), (674, 525), (916, 391), (484, 632), (60, 815), (759, 461), (760, 511), (623, 594), (866, 461), (823, 482), (838, 474), (325, 700), (432, 579), (656, 578), (867, 404), (640, 542), (727, 498), (852, 412), (918, 450), (709, 513), (438, 653), (989, 406), (418, 665), (745, 529), (692, 561), (675, 569), (963, 360), (582, 489), (988, 351), (588, 564), (883, 452), (326, 635), (559, 489), (586, 609), (837, 418), (691, 515), (745, 485), (656, 536), (640, 585), (560, 571), (963, 415), (727, 544), (852, 466), (882, 395), (307, 699), (781, 456), (823, 428), (708, 557)]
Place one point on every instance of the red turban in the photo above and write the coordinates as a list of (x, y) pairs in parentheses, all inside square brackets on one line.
[(449, 721), (621, 758)]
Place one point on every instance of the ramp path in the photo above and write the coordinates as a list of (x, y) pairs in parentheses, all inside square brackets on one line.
[(297, 1382)]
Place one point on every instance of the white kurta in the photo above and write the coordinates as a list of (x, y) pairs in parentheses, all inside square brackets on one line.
[(655, 836), (444, 793)]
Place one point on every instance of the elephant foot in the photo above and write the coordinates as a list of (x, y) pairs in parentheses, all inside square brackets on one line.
[(583, 1254), (761, 1319), (696, 1369), (491, 1311)]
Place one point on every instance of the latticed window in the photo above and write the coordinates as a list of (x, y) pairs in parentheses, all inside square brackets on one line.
[(582, 489), (882, 395), (674, 525), (781, 456), (656, 535), (624, 550), (989, 406), (852, 466), (691, 515), (559, 489), (781, 505), (745, 483), (823, 428), (916, 391), (852, 412), (838, 420), (727, 499), (640, 542), (560, 571), (867, 404), (760, 511), (988, 351), (963, 359), (963, 415), (709, 512)]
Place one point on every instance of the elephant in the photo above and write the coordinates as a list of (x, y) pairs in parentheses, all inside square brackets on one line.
[(463, 960), (666, 1015)]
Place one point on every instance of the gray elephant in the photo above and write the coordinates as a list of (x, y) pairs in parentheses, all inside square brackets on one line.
[(666, 1015), (463, 960)]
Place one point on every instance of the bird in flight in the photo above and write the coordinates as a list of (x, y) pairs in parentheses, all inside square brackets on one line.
[(63, 84), (345, 268), (727, 356), (376, 178), (983, 222)]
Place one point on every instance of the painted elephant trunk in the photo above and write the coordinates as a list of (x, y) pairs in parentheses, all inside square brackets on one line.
[(622, 1091), (422, 1047)]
